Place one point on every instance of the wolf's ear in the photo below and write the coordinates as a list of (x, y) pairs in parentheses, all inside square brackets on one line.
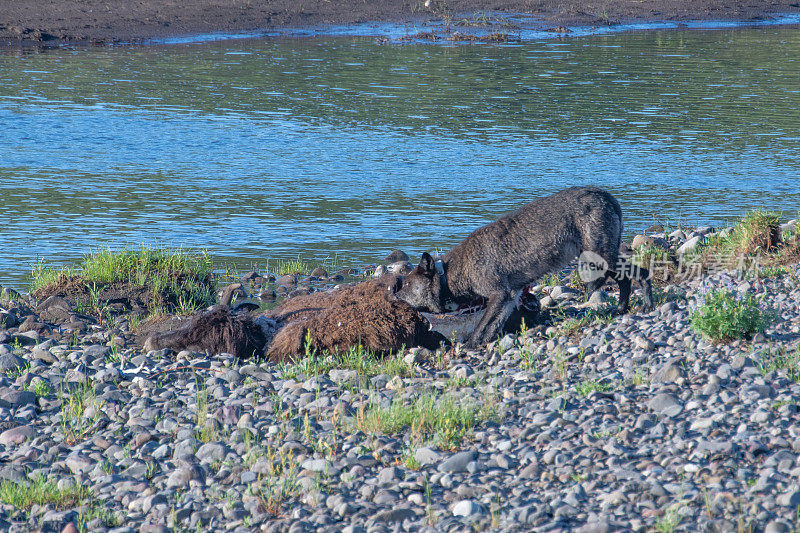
[(427, 265)]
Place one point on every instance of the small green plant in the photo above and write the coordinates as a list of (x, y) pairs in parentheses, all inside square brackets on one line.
[(39, 387), (640, 377), (652, 257), (558, 362), (363, 361), (292, 266), (772, 271), (408, 460), (114, 355), (584, 388), (279, 484), (206, 431), (669, 521), (75, 424), (433, 416), (757, 229), (17, 349), (778, 359), (107, 518), (577, 478), (591, 317), (723, 315), (41, 491), (18, 371), (152, 470), (169, 276)]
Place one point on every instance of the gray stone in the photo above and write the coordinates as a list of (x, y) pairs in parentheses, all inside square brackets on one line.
[(17, 435), (395, 515), (597, 298), (669, 372), (457, 462), (16, 398), (562, 292), (643, 343), (789, 498), (79, 464), (181, 476), (341, 375), (96, 352), (396, 256), (426, 456), (9, 362), (715, 447), (778, 526), (665, 405), (401, 268), (466, 508), (316, 465), (388, 475), (210, 452), (287, 281), (690, 245)]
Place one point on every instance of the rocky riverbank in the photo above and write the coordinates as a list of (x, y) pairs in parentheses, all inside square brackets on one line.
[(588, 423), (112, 21)]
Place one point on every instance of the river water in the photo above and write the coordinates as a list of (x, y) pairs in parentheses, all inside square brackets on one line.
[(343, 147)]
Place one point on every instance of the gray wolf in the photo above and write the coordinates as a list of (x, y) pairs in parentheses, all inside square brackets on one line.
[(499, 260)]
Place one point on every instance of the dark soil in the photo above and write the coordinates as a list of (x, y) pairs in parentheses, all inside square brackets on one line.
[(109, 299), (118, 298), (108, 21)]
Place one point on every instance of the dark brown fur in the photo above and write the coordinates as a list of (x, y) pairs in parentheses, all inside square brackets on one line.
[(366, 314), (214, 331)]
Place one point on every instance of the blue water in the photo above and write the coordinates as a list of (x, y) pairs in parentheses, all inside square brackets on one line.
[(339, 146)]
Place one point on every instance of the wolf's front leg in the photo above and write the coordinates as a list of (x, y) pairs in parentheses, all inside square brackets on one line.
[(498, 309)]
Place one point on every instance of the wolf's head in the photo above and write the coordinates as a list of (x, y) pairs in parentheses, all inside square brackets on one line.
[(422, 288)]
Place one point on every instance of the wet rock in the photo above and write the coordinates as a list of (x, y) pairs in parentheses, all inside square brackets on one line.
[(396, 256), (400, 268), (287, 280)]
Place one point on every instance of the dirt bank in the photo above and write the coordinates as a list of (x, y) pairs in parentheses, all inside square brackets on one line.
[(108, 21)]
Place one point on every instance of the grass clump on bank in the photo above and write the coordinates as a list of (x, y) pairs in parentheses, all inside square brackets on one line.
[(152, 280), (723, 315), (756, 230)]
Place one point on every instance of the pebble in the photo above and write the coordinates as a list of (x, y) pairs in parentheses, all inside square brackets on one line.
[(599, 430)]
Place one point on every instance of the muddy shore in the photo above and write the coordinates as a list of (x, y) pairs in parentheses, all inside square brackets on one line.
[(36, 22)]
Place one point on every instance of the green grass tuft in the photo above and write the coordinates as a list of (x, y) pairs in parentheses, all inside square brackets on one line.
[(757, 229), (357, 358), (41, 491), (437, 417)]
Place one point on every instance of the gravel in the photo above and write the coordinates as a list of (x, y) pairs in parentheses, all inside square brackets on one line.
[(630, 423)]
